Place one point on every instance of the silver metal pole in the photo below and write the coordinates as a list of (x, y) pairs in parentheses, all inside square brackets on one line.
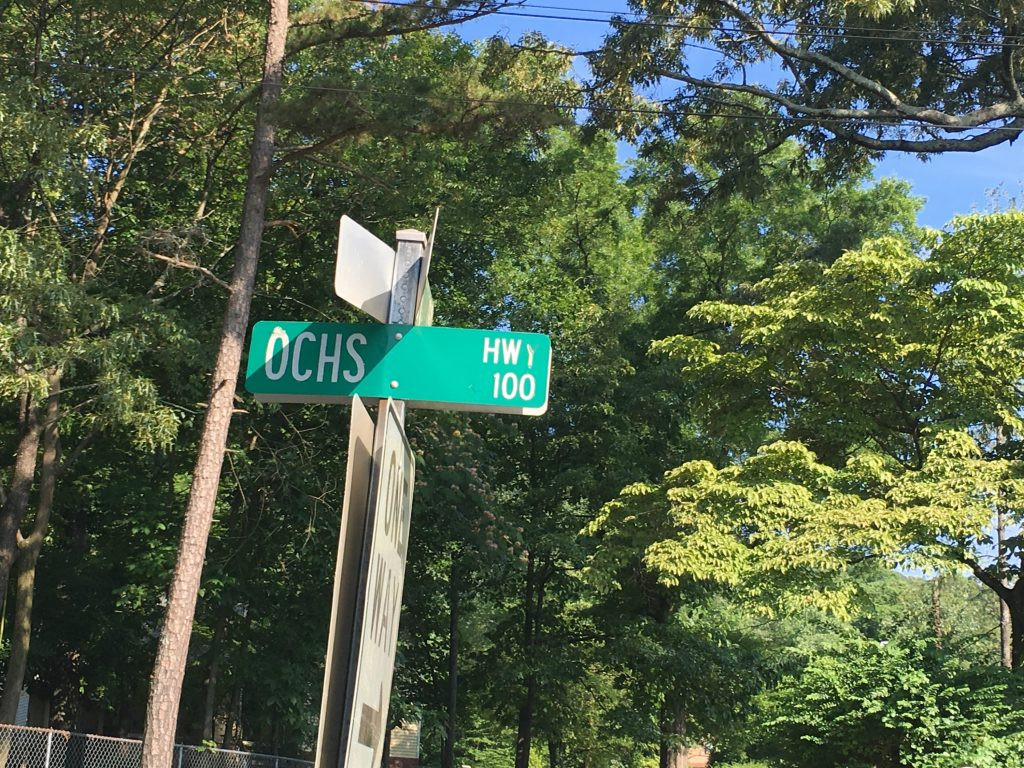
[(405, 285)]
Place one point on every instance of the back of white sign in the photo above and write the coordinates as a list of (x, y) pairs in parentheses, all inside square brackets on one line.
[(364, 269)]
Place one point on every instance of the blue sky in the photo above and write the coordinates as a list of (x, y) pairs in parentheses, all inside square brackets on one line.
[(951, 184)]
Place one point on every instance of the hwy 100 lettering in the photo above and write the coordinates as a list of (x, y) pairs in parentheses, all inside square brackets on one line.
[(510, 385)]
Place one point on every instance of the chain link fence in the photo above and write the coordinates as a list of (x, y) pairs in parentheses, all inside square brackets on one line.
[(22, 747)]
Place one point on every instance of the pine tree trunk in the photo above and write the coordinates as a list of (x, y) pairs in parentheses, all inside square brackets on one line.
[(172, 651), (448, 751), (28, 555)]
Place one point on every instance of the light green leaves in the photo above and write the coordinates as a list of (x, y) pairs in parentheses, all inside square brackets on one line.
[(885, 372), (779, 526), (904, 700)]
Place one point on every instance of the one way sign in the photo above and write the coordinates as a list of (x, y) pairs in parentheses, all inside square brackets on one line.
[(380, 594)]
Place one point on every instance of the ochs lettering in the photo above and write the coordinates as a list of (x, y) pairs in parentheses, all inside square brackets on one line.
[(330, 356)]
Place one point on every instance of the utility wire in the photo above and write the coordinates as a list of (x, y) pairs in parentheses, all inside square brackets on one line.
[(870, 34)]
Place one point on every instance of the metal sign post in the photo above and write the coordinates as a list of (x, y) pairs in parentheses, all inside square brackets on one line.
[(346, 579), (404, 360)]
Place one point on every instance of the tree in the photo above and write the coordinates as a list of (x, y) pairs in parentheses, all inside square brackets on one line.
[(580, 278), (898, 704), (884, 372), (169, 666), (851, 79), (73, 330), (321, 28)]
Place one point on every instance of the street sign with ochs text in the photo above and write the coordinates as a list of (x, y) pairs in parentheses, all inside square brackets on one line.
[(427, 367), (380, 593)]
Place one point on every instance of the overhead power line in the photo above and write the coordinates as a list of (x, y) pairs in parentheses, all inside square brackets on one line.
[(840, 32)]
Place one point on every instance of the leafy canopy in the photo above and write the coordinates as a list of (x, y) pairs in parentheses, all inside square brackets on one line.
[(880, 373)]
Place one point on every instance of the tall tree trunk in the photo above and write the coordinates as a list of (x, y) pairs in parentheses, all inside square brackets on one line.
[(1015, 606), (524, 729), (1005, 636), (674, 751), (525, 723), (16, 498), (533, 603), (172, 651), (1005, 621), (448, 751), (233, 723), (556, 751), (28, 555), (210, 704)]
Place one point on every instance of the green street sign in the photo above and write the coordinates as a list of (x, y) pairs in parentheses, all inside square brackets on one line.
[(458, 369)]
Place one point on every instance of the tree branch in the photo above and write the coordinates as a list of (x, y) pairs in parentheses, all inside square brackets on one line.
[(388, 29), (1002, 121), (66, 462), (189, 265), (990, 138), (986, 578), (291, 153)]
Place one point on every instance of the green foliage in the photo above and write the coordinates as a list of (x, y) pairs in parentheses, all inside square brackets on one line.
[(830, 401), (892, 345), (782, 529), (849, 79), (892, 606), (50, 322), (887, 364), (905, 705)]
